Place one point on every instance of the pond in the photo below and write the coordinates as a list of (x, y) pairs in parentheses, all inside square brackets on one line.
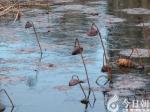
[(44, 87)]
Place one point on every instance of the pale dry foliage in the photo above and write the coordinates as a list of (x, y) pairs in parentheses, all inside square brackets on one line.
[(11, 9)]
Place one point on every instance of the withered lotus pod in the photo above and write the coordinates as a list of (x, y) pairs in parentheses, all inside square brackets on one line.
[(2, 107), (28, 24), (93, 31), (74, 82), (85, 101), (50, 65), (106, 68), (94, 14), (77, 50)]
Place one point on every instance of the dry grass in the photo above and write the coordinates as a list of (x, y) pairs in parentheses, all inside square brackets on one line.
[(9, 9)]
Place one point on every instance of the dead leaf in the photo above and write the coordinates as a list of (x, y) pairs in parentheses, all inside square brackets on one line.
[(122, 62)]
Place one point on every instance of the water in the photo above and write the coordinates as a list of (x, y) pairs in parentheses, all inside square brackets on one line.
[(48, 90)]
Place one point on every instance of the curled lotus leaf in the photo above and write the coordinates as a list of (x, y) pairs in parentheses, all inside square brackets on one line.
[(77, 50), (74, 82), (28, 24), (93, 31)]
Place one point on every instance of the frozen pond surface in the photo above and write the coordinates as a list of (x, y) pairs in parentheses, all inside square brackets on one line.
[(48, 90)]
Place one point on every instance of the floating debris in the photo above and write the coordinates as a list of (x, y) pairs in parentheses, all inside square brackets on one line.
[(47, 66), (94, 14), (81, 8), (6, 79), (4, 70), (26, 51), (141, 67), (98, 89), (145, 24), (112, 19), (125, 84), (136, 11), (120, 92), (62, 88), (129, 81), (143, 53)]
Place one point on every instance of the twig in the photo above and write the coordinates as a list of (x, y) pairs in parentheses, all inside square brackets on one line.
[(16, 18)]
